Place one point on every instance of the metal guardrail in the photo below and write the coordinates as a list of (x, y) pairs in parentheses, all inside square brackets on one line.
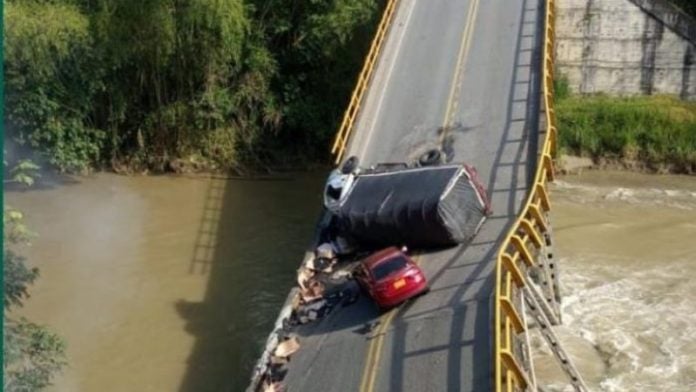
[(527, 236), (524, 240), (364, 78)]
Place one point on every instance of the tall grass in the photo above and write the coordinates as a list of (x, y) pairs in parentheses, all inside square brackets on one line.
[(655, 130)]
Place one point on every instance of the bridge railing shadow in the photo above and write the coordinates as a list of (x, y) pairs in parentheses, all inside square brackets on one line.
[(252, 232)]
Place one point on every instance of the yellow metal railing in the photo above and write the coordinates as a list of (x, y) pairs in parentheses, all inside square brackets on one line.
[(339, 145), (525, 236)]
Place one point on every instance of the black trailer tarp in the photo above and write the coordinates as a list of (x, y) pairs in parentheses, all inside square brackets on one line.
[(421, 207)]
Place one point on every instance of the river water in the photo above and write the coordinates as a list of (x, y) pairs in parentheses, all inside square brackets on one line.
[(171, 283), (627, 249), (165, 283)]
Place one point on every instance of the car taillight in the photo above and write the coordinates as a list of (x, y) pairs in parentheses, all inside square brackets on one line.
[(416, 277), (414, 274), (387, 289)]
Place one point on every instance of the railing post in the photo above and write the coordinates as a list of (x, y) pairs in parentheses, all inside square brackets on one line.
[(531, 229), (351, 113)]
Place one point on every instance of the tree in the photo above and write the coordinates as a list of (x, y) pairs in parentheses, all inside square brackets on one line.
[(32, 354), (140, 82), (50, 82), (687, 5)]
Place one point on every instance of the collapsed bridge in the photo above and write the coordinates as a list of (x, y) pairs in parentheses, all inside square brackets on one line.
[(473, 79)]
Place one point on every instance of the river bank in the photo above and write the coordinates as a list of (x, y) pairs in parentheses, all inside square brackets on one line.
[(650, 133), (576, 165)]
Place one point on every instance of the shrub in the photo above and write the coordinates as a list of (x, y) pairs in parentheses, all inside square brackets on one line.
[(50, 83), (654, 129)]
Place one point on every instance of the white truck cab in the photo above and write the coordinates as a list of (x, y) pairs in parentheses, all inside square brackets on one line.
[(339, 183), (336, 189)]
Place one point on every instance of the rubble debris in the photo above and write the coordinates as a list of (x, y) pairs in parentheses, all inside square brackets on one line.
[(315, 290), (325, 251), (277, 369), (312, 311), (274, 387), (263, 369), (304, 275), (287, 347), (295, 300), (321, 287), (325, 258)]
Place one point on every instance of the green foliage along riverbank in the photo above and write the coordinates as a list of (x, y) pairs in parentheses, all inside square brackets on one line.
[(32, 354), (687, 5), (142, 84), (655, 132)]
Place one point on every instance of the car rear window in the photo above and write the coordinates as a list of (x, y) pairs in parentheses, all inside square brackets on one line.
[(386, 268)]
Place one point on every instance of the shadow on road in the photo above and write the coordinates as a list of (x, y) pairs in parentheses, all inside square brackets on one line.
[(461, 307)]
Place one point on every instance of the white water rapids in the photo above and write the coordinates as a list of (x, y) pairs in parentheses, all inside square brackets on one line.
[(627, 250)]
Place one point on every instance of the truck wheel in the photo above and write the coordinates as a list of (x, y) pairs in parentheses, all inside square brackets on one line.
[(430, 157), (349, 165)]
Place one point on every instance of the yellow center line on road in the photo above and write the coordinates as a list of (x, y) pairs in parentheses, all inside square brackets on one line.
[(375, 348), (455, 88), (374, 351)]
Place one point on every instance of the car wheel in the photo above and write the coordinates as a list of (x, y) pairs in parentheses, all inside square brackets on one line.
[(350, 165), (430, 157)]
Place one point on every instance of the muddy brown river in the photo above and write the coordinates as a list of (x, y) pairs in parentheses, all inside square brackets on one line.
[(172, 284), (627, 249), (165, 283)]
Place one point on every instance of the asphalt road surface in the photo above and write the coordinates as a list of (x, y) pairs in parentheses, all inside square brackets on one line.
[(462, 75)]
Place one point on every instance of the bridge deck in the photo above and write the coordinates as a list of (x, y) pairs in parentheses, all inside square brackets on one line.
[(461, 74)]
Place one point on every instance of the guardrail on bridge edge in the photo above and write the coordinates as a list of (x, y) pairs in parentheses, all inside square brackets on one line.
[(344, 131), (515, 253)]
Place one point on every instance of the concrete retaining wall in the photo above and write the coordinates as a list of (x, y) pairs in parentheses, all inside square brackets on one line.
[(626, 47)]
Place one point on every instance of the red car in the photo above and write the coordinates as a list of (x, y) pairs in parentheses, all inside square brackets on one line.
[(391, 277)]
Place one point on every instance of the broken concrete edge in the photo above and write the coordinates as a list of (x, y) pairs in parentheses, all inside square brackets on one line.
[(274, 387), (274, 339), (261, 368), (272, 342), (263, 376), (286, 348)]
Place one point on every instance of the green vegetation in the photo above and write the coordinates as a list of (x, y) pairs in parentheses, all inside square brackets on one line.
[(655, 132), (658, 131), (142, 84), (687, 5), (32, 354)]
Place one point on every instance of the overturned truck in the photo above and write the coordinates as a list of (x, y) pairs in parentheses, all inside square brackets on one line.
[(419, 207)]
